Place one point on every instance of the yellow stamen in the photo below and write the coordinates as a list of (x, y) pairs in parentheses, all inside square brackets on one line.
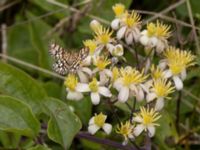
[(149, 116), (162, 87), (156, 72), (100, 119), (131, 76), (93, 85), (91, 44), (101, 63), (125, 129), (103, 35), (71, 82), (178, 60), (118, 9), (132, 19)]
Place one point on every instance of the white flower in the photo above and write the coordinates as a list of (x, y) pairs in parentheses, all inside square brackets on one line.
[(126, 130), (71, 83), (146, 119), (130, 25), (95, 90), (177, 61), (129, 81), (155, 36), (97, 122), (159, 90)]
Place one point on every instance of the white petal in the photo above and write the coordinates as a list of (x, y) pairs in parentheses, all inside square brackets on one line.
[(138, 129), (140, 94), (105, 91), (107, 128), (129, 38), (87, 70), (123, 94), (136, 34), (178, 83), (87, 61), (151, 130), (144, 40), (150, 97), (91, 121), (147, 65), (115, 24), (144, 32), (95, 98), (183, 74), (110, 47), (118, 84), (162, 64), (103, 78), (159, 104), (137, 119), (83, 77), (153, 41), (92, 129), (118, 50), (94, 24), (167, 74), (74, 95), (82, 87), (121, 32)]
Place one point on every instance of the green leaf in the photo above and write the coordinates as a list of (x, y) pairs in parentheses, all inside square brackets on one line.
[(21, 47), (37, 31), (17, 117), (84, 114), (39, 147), (18, 84), (63, 124)]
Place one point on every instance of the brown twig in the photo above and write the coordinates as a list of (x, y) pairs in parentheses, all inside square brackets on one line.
[(84, 135), (2, 8), (4, 41)]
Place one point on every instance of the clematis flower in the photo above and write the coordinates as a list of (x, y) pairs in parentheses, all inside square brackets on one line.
[(95, 90), (103, 37), (71, 83), (155, 36), (92, 45), (177, 62), (97, 122), (126, 130), (130, 81), (130, 27), (101, 63), (119, 10), (146, 119), (160, 90)]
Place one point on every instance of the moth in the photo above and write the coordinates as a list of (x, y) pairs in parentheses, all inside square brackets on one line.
[(65, 61)]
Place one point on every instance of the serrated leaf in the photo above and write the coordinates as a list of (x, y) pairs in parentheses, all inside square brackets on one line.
[(63, 124), (17, 117), (18, 84)]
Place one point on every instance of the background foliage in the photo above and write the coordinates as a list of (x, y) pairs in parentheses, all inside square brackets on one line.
[(34, 112)]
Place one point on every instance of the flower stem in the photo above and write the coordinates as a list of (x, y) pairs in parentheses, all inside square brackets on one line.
[(84, 135), (178, 103)]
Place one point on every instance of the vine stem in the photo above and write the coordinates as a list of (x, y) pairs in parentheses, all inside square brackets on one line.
[(178, 103), (87, 136)]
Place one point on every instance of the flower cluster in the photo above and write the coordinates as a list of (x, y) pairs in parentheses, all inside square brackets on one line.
[(105, 75)]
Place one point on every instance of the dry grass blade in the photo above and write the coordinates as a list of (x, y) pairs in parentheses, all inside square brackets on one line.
[(193, 26), (31, 66), (171, 7)]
